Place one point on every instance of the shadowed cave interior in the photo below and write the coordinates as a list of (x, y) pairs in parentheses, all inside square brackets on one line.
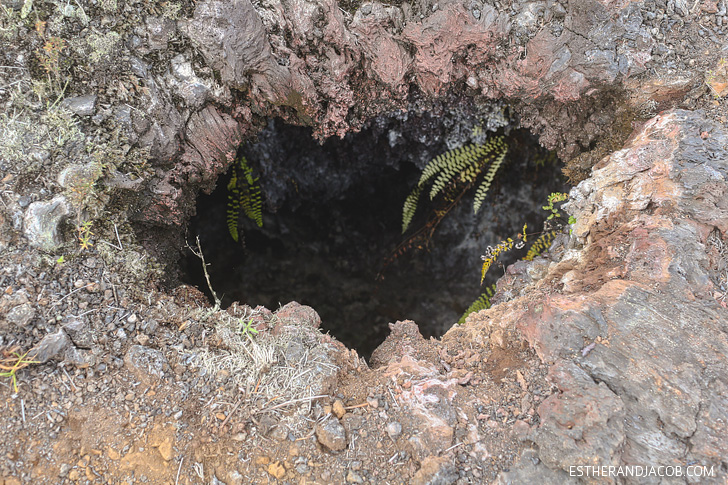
[(332, 219)]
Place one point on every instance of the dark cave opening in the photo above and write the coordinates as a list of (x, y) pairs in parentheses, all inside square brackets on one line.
[(332, 217)]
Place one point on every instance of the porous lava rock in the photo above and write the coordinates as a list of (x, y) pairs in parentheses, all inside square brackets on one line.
[(632, 317), (313, 63)]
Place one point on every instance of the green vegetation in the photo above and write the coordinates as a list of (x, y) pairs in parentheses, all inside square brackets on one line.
[(84, 234), (452, 173), (492, 253), (482, 303), (541, 244), (553, 198), (11, 362), (243, 191), (246, 328), (102, 47)]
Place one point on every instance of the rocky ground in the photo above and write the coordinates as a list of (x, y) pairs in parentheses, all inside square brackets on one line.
[(609, 350)]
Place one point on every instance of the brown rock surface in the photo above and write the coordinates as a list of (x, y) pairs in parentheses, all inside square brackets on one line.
[(627, 317), (639, 282)]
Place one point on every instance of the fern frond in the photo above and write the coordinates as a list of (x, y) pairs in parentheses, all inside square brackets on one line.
[(251, 201), (500, 148), (410, 207), (466, 163), (492, 254), (243, 191), (233, 207), (540, 245), (463, 159), (434, 166), (232, 219), (481, 303)]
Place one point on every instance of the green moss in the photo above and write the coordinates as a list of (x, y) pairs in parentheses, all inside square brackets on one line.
[(108, 5), (22, 133), (102, 46), (9, 22), (171, 10)]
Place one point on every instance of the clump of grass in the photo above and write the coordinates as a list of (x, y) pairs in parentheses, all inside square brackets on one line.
[(265, 364), (11, 362)]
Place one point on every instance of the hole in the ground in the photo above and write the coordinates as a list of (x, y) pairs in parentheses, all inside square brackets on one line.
[(332, 216)]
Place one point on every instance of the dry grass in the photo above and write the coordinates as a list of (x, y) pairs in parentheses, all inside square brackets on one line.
[(720, 272), (11, 362), (285, 368)]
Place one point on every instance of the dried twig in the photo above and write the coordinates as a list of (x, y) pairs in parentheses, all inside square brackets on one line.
[(292, 401), (232, 411), (199, 254), (179, 468)]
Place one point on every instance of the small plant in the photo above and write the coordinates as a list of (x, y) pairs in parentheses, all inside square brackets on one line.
[(481, 303), (450, 176), (554, 197), (492, 253), (11, 362), (84, 234), (50, 55), (452, 173), (247, 329), (243, 191), (540, 245), (716, 80), (61, 260)]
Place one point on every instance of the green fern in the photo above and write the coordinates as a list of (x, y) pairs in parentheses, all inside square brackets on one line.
[(410, 206), (540, 245), (463, 164), (233, 206), (482, 191), (492, 253), (243, 191), (482, 303)]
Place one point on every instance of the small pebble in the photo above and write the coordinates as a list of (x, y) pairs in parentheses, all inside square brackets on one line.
[(338, 408), (353, 477), (394, 429)]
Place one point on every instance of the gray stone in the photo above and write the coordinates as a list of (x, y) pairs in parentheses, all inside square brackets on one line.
[(81, 105), (79, 176), (279, 433), (234, 478), (587, 424), (118, 180), (436, 470), (42, 220), (79, 331), (186, 83), (79, 357), (21, 315), (331, 434), (159, 31), (353, 477), (53, 346), (529, 469), (394, 429), (295, 352), (233, 40), (145, 363)]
